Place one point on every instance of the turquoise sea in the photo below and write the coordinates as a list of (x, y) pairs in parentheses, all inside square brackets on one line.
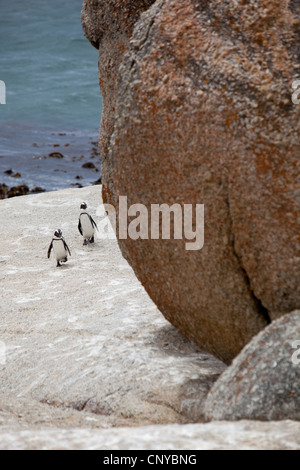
[(53, 102)]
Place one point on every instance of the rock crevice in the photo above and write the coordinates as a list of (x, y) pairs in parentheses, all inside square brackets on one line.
[(260, 308)]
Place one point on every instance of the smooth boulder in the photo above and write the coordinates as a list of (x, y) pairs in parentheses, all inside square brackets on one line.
[(263, 381)]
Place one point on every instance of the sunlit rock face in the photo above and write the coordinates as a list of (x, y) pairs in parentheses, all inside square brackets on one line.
[(198, 109)]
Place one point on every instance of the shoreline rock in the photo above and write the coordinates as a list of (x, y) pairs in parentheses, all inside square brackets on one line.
[(50, 165), (7, 192)]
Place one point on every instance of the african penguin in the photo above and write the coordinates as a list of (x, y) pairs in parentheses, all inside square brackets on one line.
[(86, 225), (60, 247)]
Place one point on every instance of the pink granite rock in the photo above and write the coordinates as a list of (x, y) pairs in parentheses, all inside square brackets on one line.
[(204, 114)]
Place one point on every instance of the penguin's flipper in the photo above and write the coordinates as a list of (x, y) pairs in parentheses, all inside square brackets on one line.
[(50, 249), (93, 222), (67, 248), (79, 227)]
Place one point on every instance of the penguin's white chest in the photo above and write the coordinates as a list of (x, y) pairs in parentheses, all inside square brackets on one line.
[(59, 250), (86, 226)]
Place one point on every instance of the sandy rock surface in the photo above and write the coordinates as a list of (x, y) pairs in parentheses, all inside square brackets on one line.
[(86, 336), (88, 359), (214, 436)]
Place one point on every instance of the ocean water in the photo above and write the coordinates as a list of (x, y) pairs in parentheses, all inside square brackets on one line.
[(53, 101)]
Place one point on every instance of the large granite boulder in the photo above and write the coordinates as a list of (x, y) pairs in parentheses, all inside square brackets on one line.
[(263, 381), (202, 113)]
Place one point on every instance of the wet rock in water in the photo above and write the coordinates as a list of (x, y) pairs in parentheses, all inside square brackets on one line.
[(99, 181), (197, 96), (263, 381), (3, 191), (13, 174), (37, 189), (39, 157), (78, 177), (21, 190), (90, 166), (56, 155)]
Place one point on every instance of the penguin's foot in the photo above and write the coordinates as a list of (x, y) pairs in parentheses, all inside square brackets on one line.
[(85, 243), (58, 264), (92, 240), (64, 260)]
